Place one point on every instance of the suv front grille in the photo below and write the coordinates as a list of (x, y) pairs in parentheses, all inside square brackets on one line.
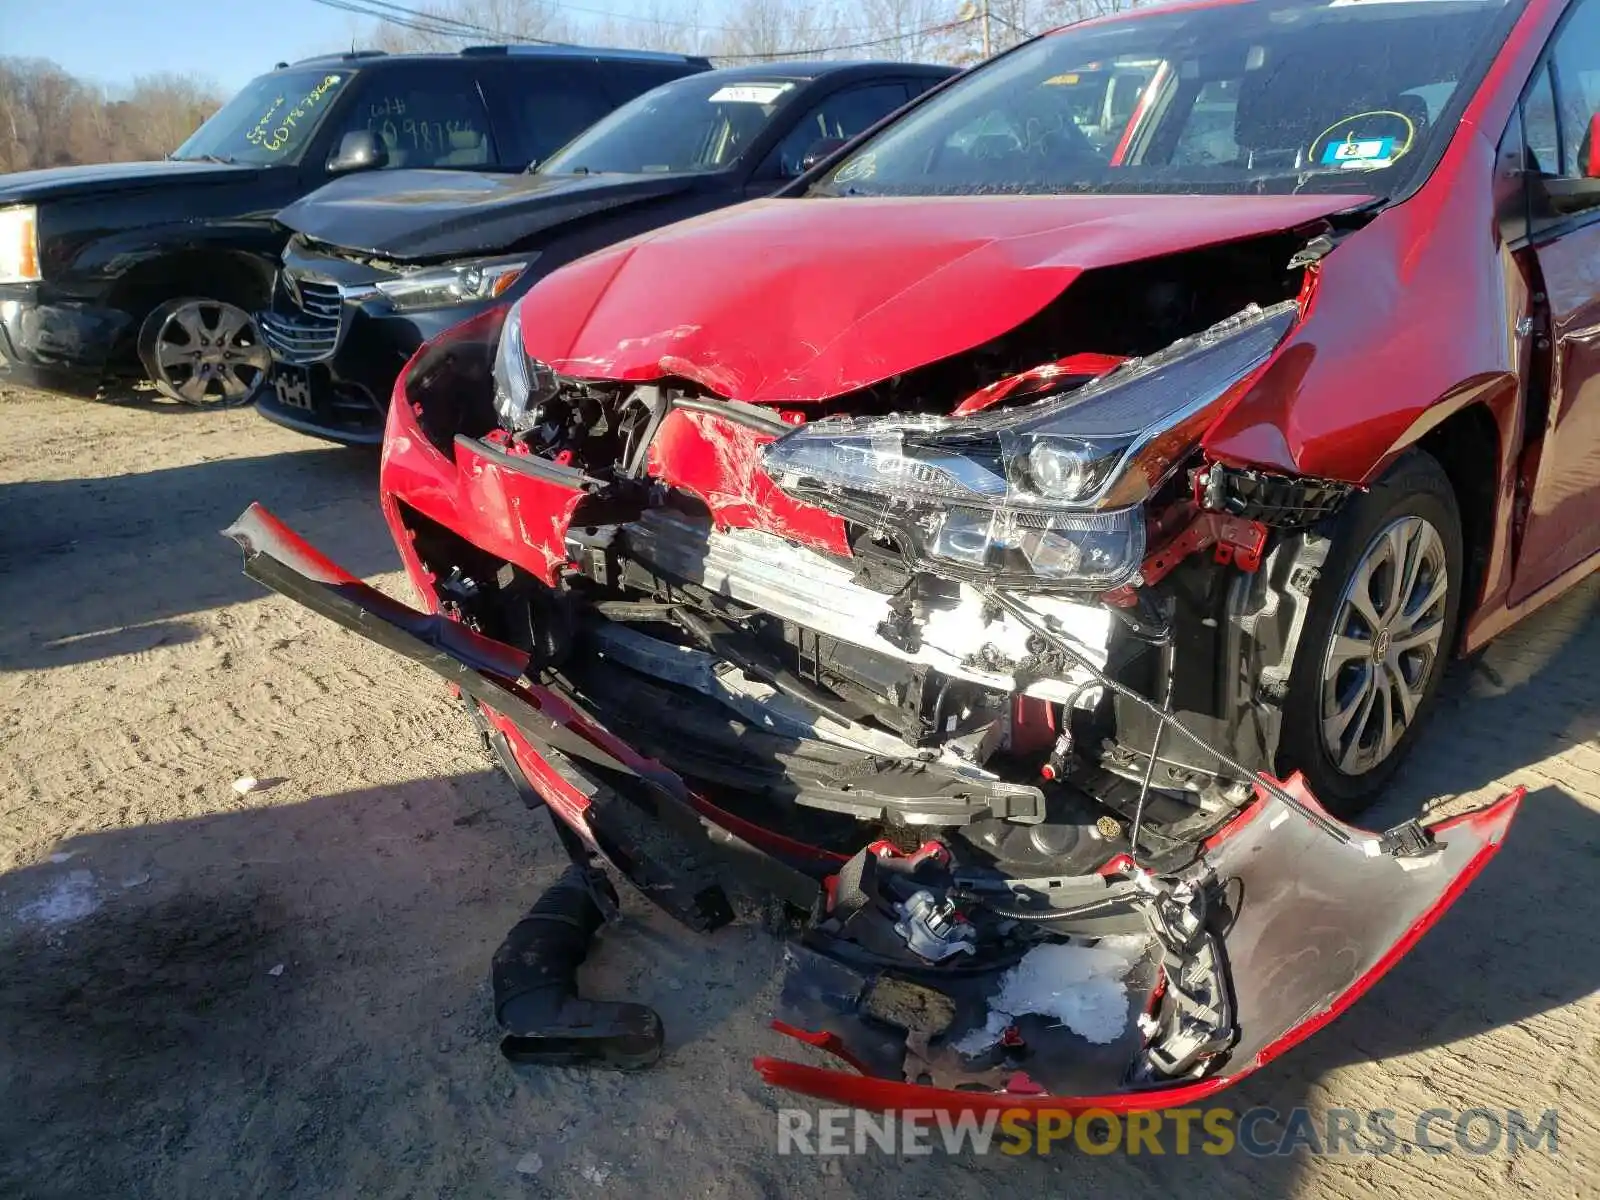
[(304, 329)]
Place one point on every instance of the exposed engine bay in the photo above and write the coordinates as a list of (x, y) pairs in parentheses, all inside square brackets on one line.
[(980, 671), (814, 648)]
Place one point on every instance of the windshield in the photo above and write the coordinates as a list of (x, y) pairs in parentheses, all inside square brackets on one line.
[(691, 124), (1341, 96), (270, 121)]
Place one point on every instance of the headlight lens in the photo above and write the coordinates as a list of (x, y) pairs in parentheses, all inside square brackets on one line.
[(1084, 550), (19, 244), (1049, 490), (461, 283), (521, 384)]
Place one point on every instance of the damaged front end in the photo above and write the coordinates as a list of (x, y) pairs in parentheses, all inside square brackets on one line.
[(988, 694)]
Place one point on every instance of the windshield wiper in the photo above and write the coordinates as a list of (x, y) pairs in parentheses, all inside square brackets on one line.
[(225, 159)]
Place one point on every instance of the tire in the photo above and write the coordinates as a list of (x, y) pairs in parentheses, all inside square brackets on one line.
[(204, 353), (1347, 748)]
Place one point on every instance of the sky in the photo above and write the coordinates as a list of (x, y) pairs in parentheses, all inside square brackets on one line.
[(227, 41)]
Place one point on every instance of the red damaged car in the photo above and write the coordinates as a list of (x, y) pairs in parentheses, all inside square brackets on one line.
[(1021, 551)]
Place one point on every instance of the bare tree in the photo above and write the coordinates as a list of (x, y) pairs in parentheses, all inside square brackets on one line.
[(911, 30), (678, 28), (48, 118), (1013, 21), (48, 98), (456, 23), (757, 30), (738, 31), (170, 108)]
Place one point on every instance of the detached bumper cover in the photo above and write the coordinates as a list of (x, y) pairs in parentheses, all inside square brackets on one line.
[(1311, 923), (636, 814), (1324, 923)]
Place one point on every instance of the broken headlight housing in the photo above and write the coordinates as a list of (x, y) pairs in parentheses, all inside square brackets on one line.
[(1048, 493), (461, 283), (522, 385)]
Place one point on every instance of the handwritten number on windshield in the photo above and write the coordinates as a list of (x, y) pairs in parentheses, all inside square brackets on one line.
[(274, 135)]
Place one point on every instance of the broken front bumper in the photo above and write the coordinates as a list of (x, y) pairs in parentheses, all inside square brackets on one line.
[(1307, 915)]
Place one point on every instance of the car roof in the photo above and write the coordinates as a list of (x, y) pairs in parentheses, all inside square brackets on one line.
[(818, 69), (1169, 7), (550, 52), (798, 69)]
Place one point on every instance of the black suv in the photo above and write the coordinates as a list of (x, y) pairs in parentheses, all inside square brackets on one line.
[(377, 267), (127, 269)]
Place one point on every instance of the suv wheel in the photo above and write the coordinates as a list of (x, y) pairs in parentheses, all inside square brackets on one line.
[(1379, 634), (204, 352)]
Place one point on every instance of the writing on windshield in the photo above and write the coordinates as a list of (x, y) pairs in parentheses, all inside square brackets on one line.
[(271, 120), (418, 124), (276, 127)]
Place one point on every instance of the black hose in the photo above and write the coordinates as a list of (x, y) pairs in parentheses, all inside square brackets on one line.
[(1044, 915), (1088, 908), (535, 982), (1031, 619), (1149, 772)]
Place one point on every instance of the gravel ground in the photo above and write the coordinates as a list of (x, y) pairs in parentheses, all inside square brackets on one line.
[(203, 993)]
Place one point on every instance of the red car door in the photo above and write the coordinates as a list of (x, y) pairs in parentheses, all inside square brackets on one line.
[(1563, 525)]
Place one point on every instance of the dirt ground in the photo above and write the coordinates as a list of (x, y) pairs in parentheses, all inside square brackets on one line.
[(285, 992)]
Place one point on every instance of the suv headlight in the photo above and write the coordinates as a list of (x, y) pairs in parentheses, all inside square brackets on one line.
[(459, 283), (1052, 491), (19, 244), (521, 384)]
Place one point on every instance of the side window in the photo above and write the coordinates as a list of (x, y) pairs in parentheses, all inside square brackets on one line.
[(842, 115), (1541, 135), (424, 117), (1511, 182), (1575, 63), (547, 106)]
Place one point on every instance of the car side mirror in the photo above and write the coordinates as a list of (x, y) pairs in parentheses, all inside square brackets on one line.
[(359, 150), (819, 150)]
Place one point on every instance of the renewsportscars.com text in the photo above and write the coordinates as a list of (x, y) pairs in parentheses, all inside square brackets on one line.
[(1258, 1132)]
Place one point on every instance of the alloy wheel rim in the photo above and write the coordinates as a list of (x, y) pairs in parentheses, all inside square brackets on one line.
[(210, 353), (1386, 639)]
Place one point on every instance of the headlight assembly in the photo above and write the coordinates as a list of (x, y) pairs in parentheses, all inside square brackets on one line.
[(1081, 550), (460, 283), (19, 244), (1049, 491), (521, 384)]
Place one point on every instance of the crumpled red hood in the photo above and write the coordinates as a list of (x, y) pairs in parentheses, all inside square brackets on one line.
[(789, 301)]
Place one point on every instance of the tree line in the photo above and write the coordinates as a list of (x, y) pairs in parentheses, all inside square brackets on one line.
[(951, 31), (50, 118)]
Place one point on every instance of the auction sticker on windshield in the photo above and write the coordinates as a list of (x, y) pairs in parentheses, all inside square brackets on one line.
[(749, 93), (1377, 152)]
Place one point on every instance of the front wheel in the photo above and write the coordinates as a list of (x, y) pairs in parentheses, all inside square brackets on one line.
[(204, 353), (1378, 636)]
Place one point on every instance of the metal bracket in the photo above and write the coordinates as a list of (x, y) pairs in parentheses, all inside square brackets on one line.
[(1235, 541), (1409, 839)]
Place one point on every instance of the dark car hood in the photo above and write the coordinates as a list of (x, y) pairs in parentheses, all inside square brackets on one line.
[(434, 214), (53, 183), (790, 300)]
